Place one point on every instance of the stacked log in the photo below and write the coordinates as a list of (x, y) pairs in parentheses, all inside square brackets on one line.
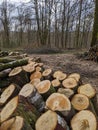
[(39, 98)]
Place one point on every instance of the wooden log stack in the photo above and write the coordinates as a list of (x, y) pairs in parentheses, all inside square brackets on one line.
[(39, 98)]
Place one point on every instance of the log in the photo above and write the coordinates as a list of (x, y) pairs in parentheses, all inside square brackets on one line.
[(51, 121), (36, 74), (5, 73), (19, 106), (15, 123), (6, 60), (40, 69), (70, 83), (28, 91), (29, 68), (14, 64), (47, 74), (56, 84), (67, 92), (76, 76), (59, 102), (8, 110), (80, 102), (45, 88), (10, 92), (84, 120), (59, 75), (87, 90), (18, 76), (4, 82), (35, 81)]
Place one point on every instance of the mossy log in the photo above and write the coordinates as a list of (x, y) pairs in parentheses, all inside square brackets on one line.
[(28, 91), (4, 82), (15, 123), (6, 60), (18, 106), (51, 121), (5, 73), (18, 76), (14, 64)]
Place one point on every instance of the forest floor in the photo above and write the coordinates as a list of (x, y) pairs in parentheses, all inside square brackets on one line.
[(69, 63)]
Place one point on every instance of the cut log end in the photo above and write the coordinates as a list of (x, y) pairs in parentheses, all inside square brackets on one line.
[(36, 74), (15, 71), (58, 102), (47, 72), (9, 109), (34, 82), (6, 94), (48, 121), (75, 75), (87, 90), (84, 120), (55, 83), (29, 68), (43, 86), (59, 75), (67, 92), (80, 102), (70, 83), (26, 90)]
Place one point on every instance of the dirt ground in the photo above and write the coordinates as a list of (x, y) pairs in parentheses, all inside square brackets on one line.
[(69, 63)]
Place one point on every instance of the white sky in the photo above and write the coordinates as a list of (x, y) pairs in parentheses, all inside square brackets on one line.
[(16, 1)]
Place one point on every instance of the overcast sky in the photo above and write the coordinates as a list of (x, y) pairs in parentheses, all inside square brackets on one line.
[(17, 1)]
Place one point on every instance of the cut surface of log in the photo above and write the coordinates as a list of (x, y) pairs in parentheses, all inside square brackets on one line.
[(59, 75), (67, 92), (38, 68), (75, 75), (35, 81), (58, 102), (47, 72), (26, 90), (15, 123), (29, 68), (7, 93), (80, 102), (47, 121), (84, 120), (9, 109), (55, 83), (36, 74), (70, 83), (15, 71), (87, 90), (43, 86)]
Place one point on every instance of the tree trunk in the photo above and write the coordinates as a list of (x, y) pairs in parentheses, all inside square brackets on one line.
[(95, 26)]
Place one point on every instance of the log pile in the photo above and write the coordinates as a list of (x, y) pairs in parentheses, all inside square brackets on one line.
[(92, 54), (39, 98)]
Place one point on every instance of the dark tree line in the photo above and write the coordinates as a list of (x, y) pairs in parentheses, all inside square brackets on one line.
[(51, 23)]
